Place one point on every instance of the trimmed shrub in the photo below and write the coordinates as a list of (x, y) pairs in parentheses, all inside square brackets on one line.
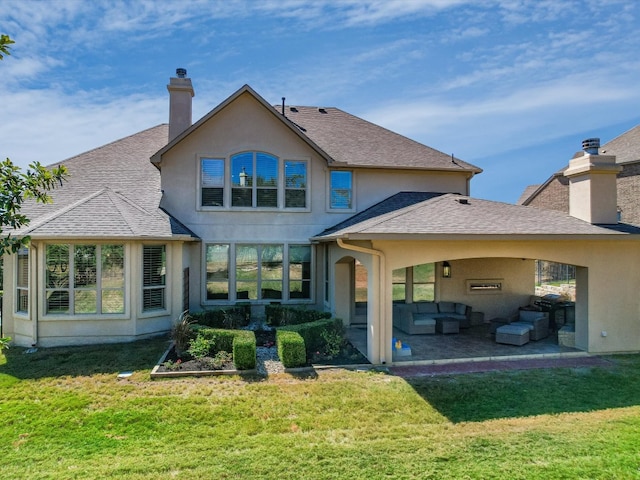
[(279, 315), (244, 350), (312, 333), (291, 349), (231, 318), (240, 343)]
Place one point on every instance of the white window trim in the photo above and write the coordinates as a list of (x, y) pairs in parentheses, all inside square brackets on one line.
[(42, 300), (232, 275), (330, 209), (227, 207)]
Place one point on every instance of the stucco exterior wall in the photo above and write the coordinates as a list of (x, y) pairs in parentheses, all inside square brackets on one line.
[(48, 330), (607, 299)]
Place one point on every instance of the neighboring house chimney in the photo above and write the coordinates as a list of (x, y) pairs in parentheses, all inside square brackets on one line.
[(180, 94), (592, 185)]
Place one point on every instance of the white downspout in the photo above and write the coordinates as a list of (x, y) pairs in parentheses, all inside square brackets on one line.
[(382, 331), (33, 295)]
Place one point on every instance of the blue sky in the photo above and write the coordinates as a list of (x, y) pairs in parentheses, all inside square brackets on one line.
[(512, 86)]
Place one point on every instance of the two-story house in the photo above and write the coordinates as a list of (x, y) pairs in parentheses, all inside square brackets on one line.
[(256, 203)]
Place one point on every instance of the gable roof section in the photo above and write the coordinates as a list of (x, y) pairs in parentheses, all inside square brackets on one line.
[(447, 215), (112, 191), (343, 139), (156, 158)]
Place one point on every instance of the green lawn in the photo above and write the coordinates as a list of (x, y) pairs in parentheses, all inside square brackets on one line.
[(65, 414)]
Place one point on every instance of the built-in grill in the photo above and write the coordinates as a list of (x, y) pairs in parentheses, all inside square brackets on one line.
[(560, 311)]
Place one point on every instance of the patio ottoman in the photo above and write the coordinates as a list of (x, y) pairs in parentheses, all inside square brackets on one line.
[(513, 334), (447, 325)]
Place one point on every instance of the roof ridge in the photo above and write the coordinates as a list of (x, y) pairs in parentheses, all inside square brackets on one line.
[(57, 213), (101, 147)]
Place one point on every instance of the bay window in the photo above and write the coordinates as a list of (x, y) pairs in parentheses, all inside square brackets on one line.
[(84, 279)]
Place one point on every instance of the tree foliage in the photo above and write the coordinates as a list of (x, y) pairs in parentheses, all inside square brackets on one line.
[(17, 186)]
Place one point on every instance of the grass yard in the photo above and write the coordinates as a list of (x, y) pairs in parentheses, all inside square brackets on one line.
[(65, 414)]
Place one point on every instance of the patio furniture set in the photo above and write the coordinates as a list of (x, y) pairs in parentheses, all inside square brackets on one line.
[(431, 317)]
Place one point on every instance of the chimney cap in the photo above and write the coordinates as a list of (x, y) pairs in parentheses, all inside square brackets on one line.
[(181, 72), (591, 145)]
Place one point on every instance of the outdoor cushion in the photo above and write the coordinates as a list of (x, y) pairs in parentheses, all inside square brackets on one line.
[(446, 307), (424, 321), (426, 307), (461, 308), (523, 324)]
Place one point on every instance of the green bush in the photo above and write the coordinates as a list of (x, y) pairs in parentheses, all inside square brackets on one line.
[(244, 350), (240, 343), (199, 348), (291, 349), (312, 333), (279, 315), (230, 318)]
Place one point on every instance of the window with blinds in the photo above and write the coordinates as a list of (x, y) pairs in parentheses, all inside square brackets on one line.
[(154, 277), (22, 281)]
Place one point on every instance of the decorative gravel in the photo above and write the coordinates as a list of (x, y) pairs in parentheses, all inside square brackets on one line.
[(267, 361)]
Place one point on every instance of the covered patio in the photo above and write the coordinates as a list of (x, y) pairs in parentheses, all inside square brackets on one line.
[(474, 343)]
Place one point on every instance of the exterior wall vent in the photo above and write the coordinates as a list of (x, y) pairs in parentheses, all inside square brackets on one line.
[(591, 145)]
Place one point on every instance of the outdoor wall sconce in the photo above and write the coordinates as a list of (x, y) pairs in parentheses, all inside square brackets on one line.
[(446, 270)]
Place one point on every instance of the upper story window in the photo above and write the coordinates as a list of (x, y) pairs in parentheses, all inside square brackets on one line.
[(212, 182), (253, 180), (341, 190), (295, 184)]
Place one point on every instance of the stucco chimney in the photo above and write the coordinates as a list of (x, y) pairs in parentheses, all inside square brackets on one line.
[(593, 194), (180, 95)]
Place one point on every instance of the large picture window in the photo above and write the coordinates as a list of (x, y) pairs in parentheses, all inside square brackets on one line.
[(22, 281), (154, 259), (258, 272), (84, 279)]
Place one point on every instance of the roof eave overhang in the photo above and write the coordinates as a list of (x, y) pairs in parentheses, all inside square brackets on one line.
[(102, 238), (477, 237)]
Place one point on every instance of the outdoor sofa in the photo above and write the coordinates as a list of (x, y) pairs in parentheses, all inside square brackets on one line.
[(421, 317)]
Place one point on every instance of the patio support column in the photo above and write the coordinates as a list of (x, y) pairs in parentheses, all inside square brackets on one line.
[(376, 299)]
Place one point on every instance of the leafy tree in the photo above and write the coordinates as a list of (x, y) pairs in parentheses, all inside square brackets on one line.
[(16, 186)]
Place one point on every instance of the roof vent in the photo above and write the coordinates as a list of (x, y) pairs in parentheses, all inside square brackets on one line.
[(591, 145), (181, 72), (322, 110), (463, 201), (293, 109)]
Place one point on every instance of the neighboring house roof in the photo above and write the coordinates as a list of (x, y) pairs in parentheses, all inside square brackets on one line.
[(112, 191), (528, 192), (452, 214), (343, 139), (625, 147)]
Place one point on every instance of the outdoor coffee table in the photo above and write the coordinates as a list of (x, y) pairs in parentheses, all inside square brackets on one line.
[(447, 325)]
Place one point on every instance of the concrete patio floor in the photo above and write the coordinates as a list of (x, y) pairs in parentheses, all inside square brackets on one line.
[(471, 344)]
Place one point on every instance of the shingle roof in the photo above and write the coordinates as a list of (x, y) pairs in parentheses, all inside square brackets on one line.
[(343, 138), (452, 214), (112, 191), (356, 142), (625, 147)]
